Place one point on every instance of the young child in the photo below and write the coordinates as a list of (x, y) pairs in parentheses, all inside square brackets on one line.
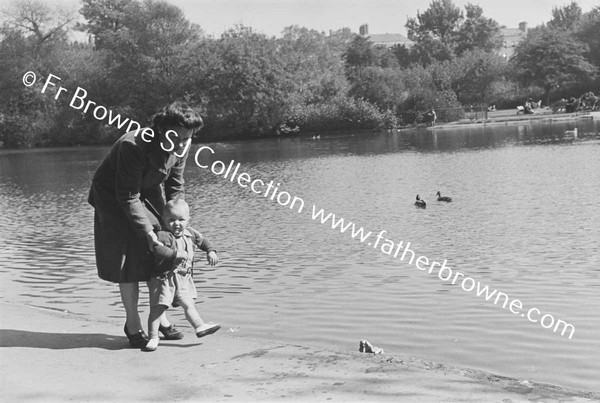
[(172, 282)]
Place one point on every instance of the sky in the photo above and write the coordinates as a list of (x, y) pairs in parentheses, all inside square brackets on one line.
[(382, 16)]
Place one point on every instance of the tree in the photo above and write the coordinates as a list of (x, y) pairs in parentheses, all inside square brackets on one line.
[(163, 36), (478, 32), (38, 20), (566, 18), (443, 32), (429, 87), (33, 37), (434, 30), (474, 73), (146, 50), (249, 85), (403, 55), (360, 53), (107, 21), (380, 86), (587, 33), (314, 66), (549, 58), (340, 39)]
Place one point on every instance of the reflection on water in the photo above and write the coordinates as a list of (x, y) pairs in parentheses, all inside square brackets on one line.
[(524, 220)]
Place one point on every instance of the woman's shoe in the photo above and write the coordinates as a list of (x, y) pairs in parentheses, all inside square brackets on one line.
[(171, 332), (137, 340)]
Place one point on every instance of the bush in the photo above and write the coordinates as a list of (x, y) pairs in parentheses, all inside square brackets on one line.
[(341, 113)]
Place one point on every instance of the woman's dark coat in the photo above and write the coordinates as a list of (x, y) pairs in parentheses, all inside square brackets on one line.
[(130, 179)]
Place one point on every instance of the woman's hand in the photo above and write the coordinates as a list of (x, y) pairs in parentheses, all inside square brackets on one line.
[(181, 257), (212, 258), (153, 240)]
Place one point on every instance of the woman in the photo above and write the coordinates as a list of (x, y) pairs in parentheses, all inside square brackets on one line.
[(143, 170)]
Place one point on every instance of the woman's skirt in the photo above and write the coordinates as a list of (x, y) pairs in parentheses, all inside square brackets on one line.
[(122, 256)]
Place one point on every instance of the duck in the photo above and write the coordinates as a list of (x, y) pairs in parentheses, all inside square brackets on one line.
[(443, 198), (420, 203)]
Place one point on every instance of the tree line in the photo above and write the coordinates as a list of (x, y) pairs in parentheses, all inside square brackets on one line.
[(143, 54)]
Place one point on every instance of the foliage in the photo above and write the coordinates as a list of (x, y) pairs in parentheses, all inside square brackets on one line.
[(478, 32), (145, 47), (313, 64), (442, 32), (587, 32), (143, 54), (33, 39), (549, 58), (249, 84), (380, 86), (474, 74), (338, 114), (566, 18), (360, 53), (434, 30), (429, 88)]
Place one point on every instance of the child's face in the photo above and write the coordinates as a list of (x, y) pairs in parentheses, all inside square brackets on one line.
[(176, 220)]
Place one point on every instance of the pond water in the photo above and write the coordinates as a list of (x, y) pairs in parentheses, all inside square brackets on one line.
[(524, 220)]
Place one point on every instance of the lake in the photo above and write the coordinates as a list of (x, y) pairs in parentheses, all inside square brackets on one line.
[(524, 220)]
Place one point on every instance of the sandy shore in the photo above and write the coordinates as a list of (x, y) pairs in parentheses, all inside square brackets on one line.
[(504, 117), (49, 356)]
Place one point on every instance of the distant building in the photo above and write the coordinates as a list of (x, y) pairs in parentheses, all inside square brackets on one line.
[(387, 40), (512, 37)]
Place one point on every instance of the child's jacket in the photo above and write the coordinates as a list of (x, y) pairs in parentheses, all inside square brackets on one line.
[(165, 256)]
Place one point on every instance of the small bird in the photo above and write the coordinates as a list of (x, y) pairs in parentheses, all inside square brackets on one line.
[(420, 203), (443, 198)]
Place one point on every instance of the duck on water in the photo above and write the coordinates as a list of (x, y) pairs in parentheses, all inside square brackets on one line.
[(420, 203), (443, 198)]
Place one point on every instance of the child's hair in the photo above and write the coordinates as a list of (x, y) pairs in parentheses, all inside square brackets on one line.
[(178, 114), (175, 204)]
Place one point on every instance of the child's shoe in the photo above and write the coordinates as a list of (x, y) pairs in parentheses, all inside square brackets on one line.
[(206, 329), (152, 345)]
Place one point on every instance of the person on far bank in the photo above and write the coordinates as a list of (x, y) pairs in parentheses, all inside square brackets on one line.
[(142, 171), (172, 283)]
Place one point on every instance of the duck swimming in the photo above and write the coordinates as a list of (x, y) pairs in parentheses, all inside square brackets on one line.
[(420, 203), (443, 198)]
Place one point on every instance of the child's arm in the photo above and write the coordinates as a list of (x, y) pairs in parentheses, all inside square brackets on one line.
[(204, 244)]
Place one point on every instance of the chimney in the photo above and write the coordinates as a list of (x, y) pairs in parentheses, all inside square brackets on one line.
[(523, 26), (363, 30)]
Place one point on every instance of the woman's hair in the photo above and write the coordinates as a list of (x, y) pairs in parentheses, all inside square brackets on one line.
[(178, 114)]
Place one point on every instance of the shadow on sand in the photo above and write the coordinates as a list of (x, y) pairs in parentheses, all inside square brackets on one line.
[(61, 341), (68, 341)]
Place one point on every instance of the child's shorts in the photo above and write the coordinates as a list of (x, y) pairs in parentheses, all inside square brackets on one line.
[(171, 288)]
